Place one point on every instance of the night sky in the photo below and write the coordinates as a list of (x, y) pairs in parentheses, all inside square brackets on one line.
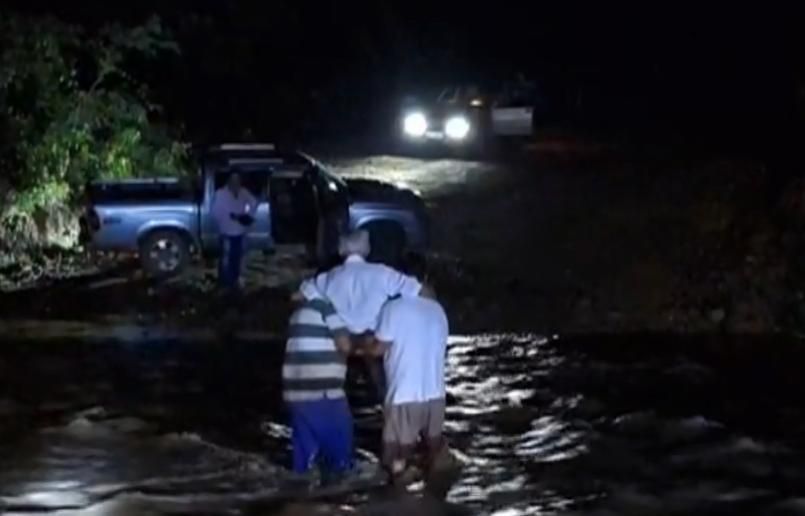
[(264, 67)]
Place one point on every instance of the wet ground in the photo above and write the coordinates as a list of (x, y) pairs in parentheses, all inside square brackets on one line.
[(635, 425), (117, 291), (552, 235)]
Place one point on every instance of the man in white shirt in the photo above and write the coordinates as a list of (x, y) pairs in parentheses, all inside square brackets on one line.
[(412, 338), (232, 209), (358, 290)]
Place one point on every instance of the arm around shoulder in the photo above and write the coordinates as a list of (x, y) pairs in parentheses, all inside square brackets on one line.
[(399, 284)]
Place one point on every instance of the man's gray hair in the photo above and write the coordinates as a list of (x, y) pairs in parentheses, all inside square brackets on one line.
[(356, 242)]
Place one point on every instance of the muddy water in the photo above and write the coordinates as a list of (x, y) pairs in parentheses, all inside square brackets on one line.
[(639, 425)]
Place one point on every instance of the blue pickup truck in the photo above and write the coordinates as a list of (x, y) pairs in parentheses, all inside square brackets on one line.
[(166, 221)]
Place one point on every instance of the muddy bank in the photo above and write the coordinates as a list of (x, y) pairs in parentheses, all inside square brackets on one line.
[(121, 295), (624, 244), (608, 243)]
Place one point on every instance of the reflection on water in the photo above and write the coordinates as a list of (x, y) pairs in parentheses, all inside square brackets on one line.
[(541, 426), (497, 421)]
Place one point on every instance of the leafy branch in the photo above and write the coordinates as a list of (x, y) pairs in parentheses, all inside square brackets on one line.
[(71, 111)]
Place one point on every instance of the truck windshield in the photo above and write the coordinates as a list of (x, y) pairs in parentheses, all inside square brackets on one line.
[(139, 190)]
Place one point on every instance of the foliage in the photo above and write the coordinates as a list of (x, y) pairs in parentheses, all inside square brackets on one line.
[(71, 110)]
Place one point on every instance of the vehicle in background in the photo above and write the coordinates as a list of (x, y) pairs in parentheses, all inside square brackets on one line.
[(300, 203), (466, 117), (455, 117)]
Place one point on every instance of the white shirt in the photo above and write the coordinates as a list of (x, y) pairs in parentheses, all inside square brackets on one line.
[(359, 289), (416, 329), (224, 203)]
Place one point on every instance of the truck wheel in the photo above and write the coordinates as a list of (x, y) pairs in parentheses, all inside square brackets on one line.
[(387, 240), (164, 253)]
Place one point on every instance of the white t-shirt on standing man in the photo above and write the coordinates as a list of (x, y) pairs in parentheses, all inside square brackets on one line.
[(416, 330), (225, 203)]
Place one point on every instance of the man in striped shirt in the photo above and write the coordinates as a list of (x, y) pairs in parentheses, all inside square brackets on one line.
[(313, 374)]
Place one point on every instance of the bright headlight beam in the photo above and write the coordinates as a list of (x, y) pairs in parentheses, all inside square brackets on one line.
[(415, 125), (457, 128)]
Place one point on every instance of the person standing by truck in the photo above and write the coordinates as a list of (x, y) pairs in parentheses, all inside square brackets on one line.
[(232, 209)]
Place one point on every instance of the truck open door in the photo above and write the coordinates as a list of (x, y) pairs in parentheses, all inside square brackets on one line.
[(513, 111), (293, 207)]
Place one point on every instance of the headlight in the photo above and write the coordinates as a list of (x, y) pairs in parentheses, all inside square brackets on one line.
[(457, 128), (415, 125)]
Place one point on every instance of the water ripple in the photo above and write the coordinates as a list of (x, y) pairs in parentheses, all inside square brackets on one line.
[(540, 425)]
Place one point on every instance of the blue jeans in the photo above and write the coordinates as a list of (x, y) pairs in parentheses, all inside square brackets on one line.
[(229, 266), (321, 431)]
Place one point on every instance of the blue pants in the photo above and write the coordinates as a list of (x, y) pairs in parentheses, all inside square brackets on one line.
[(232, 251), (321, 431)]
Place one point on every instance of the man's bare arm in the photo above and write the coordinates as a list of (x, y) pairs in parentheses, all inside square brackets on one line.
[(343, 343), (376, 348)]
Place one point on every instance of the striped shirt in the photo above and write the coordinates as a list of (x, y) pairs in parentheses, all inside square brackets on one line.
[(314, 369)]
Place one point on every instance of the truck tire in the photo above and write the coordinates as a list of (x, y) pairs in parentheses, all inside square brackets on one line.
[(164, 253), (387, 240)]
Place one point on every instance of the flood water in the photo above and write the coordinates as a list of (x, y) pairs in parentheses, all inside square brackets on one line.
[(630, 425)]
